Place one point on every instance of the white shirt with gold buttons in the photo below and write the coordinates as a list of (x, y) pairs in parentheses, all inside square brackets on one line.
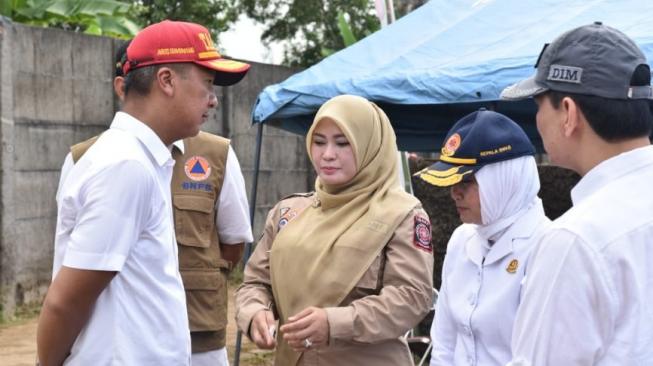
[(480, 293)]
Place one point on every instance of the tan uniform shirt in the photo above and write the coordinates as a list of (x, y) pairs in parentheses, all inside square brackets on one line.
[(393, 295)]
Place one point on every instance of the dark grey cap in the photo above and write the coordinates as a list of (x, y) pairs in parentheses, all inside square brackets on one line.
[(593, 60)]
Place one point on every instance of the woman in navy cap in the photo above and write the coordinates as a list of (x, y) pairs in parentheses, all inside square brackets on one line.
[(487, 161)]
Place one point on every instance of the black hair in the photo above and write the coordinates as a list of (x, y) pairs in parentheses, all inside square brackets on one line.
[(120, 57), (614, 120)]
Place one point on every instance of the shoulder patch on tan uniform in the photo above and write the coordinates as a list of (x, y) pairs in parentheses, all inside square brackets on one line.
[(287, 214), (290, 207), (422, 234)]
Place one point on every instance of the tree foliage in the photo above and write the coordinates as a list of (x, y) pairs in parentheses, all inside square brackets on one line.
[(309, 29), (99, 17), (313, 29), (216, 15), (118, 18)]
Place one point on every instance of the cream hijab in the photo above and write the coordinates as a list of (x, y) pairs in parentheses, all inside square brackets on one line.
[(318, 257)]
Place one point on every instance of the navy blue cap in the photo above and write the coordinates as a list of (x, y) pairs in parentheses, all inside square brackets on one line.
[(480, 138)]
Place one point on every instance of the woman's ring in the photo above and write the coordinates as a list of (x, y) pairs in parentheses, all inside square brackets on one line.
[(307, 343)]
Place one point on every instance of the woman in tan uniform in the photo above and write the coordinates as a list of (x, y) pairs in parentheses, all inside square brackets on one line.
[(346, 270)]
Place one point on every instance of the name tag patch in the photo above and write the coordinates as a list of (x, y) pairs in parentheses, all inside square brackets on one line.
[(422, 234), (565, 74), (194, 186), (378, 226)]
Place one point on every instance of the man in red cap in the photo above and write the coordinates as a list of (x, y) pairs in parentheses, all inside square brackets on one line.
[(117, 296)]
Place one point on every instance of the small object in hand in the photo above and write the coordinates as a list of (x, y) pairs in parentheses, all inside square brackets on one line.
[(307, 343), (273, 331)]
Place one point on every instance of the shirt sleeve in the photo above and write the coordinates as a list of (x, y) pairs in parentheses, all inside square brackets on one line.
[(255, 293), (113, 208), (65, 169), (233, 220), (405, 297), (443, 328), (568, 307)]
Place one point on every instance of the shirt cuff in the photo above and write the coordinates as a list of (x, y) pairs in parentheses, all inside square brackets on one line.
[(234, 241), (246, 315), (94, 261), (341, 322)]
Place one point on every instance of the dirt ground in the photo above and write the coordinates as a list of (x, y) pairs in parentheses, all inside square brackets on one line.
[(18, 343)]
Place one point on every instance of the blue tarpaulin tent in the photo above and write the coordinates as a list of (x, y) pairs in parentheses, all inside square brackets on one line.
[(444, 60)]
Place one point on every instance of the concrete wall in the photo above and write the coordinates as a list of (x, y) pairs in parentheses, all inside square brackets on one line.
[(55, 90)]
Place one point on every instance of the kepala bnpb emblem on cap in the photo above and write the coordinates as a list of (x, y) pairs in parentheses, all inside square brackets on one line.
[(452, 144), (197, 168)]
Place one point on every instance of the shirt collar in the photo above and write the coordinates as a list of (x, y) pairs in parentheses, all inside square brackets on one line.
[(523, 227), (610, 169), (179, 144), (125, 122), (475, 249)]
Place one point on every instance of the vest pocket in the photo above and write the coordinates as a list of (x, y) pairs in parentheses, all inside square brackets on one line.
[(194, 220), (206, 299)]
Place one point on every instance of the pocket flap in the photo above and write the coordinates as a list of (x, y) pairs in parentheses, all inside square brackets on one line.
[(370, 279), (201, 280), (194, 203)]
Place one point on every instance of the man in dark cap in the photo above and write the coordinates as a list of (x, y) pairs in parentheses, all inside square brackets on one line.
[(589, 287)]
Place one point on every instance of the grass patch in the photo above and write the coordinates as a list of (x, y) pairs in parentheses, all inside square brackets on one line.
[(252, 356), (258, 358), (236, 276)]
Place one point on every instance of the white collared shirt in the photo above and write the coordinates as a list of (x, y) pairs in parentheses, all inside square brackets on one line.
[(589, 292), (480, 293), (115, 214), (232, 224), (233, 221)]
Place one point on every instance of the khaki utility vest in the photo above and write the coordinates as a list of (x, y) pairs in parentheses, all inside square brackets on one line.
[(196, 183)]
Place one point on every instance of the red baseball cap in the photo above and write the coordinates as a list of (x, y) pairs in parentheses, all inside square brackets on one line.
[(174, 41)]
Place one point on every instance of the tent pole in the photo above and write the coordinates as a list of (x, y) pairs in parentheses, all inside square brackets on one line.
[(252, 211), (391, 11)]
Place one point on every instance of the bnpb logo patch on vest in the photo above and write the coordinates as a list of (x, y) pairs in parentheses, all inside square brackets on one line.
[(197, 168)]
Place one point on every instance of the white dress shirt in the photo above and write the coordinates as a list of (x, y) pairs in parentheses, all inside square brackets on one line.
[(233, 222), (232, 225), (480, 293), (115, 214), (588, 298)]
